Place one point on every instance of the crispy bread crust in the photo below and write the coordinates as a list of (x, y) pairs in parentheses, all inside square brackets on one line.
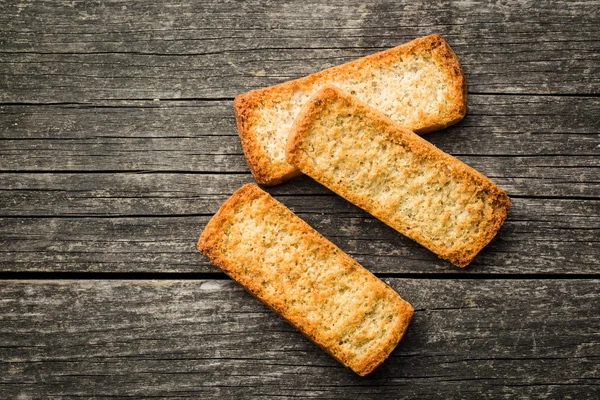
[(330, 96), (213, 238), (258, 162), (247, 105)]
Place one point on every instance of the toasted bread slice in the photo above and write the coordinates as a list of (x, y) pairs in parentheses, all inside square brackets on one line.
[(419, 85), (400, 178), (306, 279)]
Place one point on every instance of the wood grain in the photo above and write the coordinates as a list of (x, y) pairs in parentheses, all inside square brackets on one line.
[(210, 339), (145, 194), (548, 148), (201, 136), (540, 117), (548, 236), (118, 142), (557, 176), (188, 49)]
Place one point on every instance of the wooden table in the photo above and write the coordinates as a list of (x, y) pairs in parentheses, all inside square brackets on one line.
[(118, 143)]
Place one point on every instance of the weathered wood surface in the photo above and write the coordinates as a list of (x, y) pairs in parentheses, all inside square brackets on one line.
[(145, 194), (201, 136), (546, 119), (557, 176), (175, 339), (542, 149), (76, 51), (557, 236), (96, 175)]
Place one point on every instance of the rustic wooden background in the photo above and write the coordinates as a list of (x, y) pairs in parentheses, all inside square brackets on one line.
[(118, 142)]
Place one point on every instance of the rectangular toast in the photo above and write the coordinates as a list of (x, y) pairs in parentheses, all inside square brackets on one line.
[(397, 176), (306, 279), (419, 85)]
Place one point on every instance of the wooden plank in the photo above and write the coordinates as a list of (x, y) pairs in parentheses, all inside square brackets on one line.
[(150, 119), (34, 193), (495, 125), (156, 194), (210, 339), (540, 236), (559, 176), (554, 138), (547, 120), (55, 51)]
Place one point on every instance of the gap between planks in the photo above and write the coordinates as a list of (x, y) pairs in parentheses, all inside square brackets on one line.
[(216, 99), (200, 276)]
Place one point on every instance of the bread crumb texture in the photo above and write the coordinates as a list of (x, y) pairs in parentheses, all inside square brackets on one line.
[(397, 176), (306, 279), (419, 85)]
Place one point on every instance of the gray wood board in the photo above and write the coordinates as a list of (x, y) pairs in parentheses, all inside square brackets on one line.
[(210, 339), (557, 176), (558, 236), (530, 145), (126, 194), (546, 120), (118, 142), (80, 51)]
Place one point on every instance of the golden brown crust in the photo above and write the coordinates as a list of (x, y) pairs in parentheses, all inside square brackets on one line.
[(249, 107), (257, 160), (469, 185), (359, 323), (457, 112)]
